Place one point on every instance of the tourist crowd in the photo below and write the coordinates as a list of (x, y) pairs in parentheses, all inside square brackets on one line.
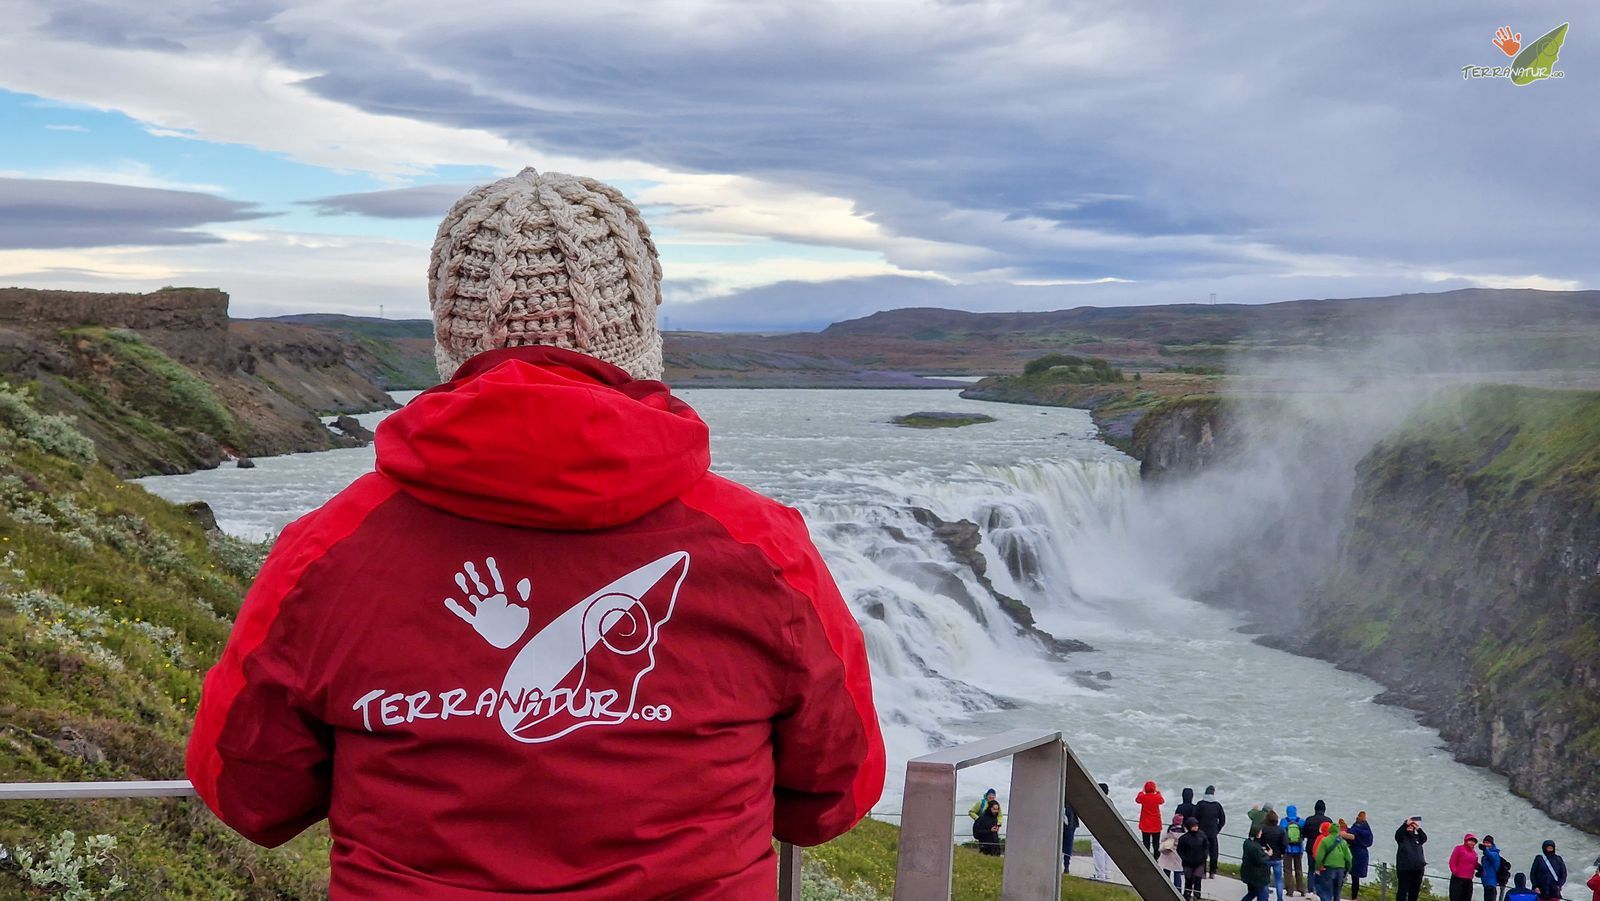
[(1294, 855)]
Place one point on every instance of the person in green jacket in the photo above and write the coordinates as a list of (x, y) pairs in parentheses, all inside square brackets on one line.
[(1255, 867), (978, 808), (1333, 859)]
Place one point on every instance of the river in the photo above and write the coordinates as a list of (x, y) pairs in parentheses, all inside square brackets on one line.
[(1190, 701)]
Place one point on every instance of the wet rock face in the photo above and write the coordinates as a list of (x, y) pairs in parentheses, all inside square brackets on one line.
[(962, 537), (353, 429), (1480, 609)]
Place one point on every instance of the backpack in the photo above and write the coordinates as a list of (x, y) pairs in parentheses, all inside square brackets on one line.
[(1293, 831), (1503, 873)]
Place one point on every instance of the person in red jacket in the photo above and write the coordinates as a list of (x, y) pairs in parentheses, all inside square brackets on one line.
[(543, 592), (1150, 802)]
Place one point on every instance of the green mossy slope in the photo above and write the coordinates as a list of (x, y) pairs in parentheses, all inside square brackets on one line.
[(113, 604)]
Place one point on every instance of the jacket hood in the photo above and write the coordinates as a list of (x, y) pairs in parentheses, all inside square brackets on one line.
[(1188, 796), (1149, 786), (1294, 813), (1325, 828), (545, 438), (1322, 807), (1469, 837)]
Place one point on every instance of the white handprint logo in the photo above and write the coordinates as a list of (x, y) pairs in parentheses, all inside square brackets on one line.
[(494, 616)]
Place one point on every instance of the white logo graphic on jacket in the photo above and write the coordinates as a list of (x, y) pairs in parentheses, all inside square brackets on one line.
[(582, 669)]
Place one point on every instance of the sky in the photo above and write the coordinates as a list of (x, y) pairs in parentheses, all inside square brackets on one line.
[(809, 161)]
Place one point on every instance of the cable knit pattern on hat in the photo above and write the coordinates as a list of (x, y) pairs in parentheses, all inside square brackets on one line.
[(546, 258)]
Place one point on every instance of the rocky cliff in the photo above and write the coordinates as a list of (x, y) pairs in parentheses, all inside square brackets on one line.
[(1468, 583), (165, 382)]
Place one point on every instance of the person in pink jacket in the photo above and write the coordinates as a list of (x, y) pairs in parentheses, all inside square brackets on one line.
[(1463, 867)]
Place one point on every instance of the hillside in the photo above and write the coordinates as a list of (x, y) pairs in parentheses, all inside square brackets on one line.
[(166, 382), (1466, 583), (394, 354), (112, 606), (1513, 330)]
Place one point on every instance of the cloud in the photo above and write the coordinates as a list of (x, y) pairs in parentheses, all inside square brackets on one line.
[(1125, 153), (56, 127), (420, 202), (46, 213)]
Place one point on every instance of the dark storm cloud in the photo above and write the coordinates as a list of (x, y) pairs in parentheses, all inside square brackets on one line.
[(38, 213)]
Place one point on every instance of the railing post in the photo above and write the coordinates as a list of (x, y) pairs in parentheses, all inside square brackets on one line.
[(1096, 812), (927, 832), (1033, 838), (789, 862)]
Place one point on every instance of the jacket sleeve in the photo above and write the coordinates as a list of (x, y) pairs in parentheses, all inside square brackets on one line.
[(257, 760), (828, 749)]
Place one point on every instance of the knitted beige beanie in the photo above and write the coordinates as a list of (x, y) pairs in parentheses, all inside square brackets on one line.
[(546, 258)]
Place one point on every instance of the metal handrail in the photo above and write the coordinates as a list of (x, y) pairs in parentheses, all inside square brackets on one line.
[(789, 858)]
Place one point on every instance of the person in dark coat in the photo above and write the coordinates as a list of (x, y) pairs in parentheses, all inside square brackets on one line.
[(1313, 827), (1069, 830), (1277, 842), (1186, 809), (1254, 867), (986, 829), (1360, 848), (1409, 861), (1548, 872), (1194, 848), (1212, 818)]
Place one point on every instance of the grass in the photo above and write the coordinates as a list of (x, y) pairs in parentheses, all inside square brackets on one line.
[(867, 854), (1545, 437), (113, 604)]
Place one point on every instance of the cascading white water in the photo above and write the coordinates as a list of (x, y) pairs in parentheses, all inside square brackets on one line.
[(934, 631)]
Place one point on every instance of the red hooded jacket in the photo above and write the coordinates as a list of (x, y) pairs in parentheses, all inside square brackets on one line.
[(1149, 802), (542, 650)]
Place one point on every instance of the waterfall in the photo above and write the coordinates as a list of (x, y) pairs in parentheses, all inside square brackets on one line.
[(928, 589)]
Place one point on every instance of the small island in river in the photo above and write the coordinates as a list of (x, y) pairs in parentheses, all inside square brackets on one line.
[(938, 420)]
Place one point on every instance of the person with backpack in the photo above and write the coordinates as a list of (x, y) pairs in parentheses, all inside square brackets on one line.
[(1194, 848), (1254, 867), (1333, 859), (1168, 859), (1150, 825), (1495, 868), (1409, 861), (1548, 872), (1463, 867), (1272, 835), (1212, 818), (1360, 847), (1520, 891), (1294, 851)]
